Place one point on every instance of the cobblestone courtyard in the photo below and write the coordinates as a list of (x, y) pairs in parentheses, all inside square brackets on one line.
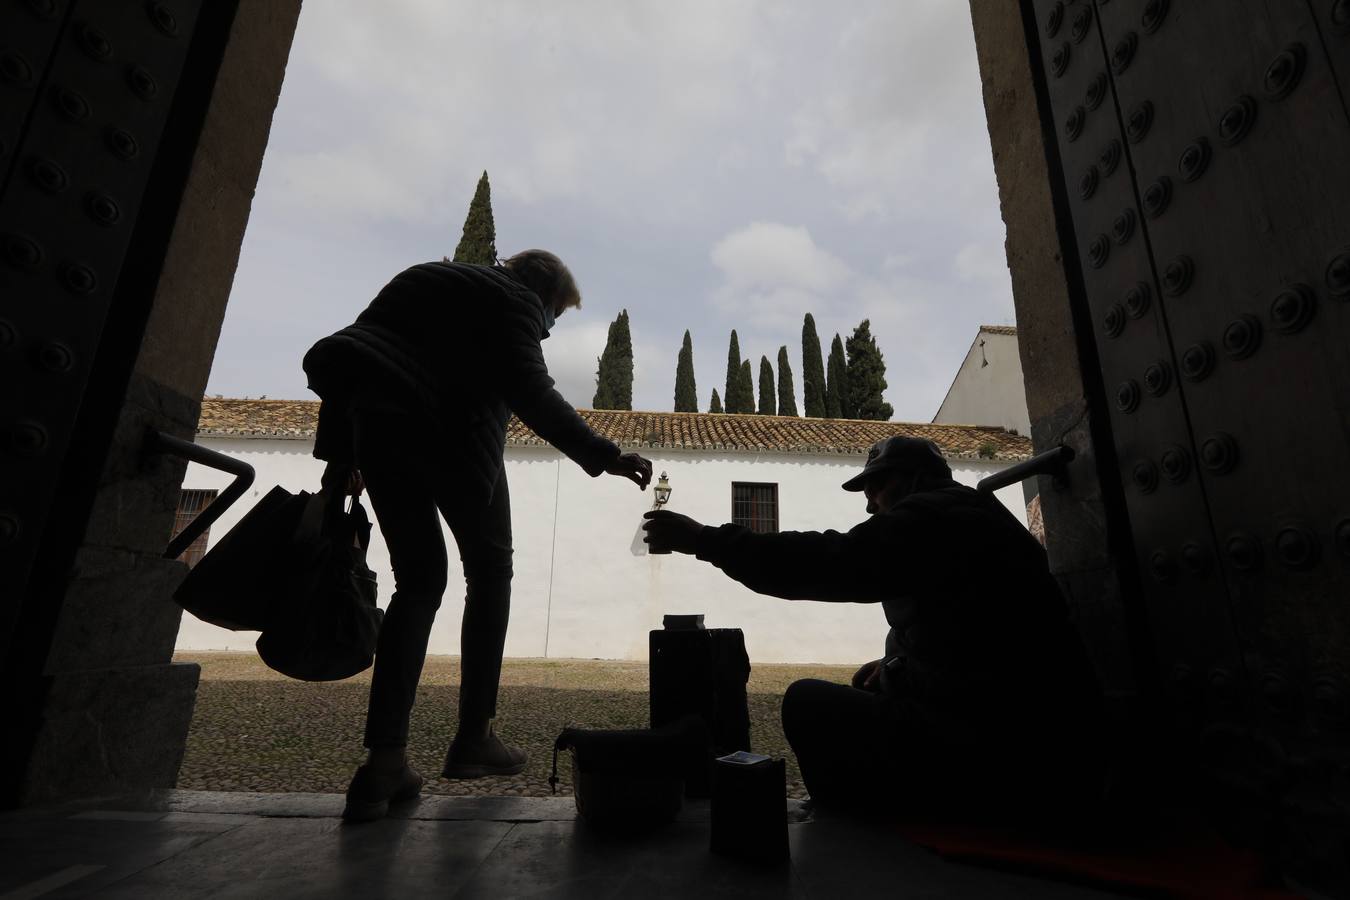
[(255, 730)]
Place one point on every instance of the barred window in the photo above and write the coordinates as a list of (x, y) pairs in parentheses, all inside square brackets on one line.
[(755, 506), (189, 504)]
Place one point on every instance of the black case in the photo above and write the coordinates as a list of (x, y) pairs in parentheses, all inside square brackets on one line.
[(702, 672)]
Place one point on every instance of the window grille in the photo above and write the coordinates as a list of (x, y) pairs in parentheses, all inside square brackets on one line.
[(755, 506), (189, 504)]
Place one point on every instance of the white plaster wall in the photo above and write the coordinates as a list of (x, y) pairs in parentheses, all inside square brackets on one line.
[(579, 588), (992, 394)]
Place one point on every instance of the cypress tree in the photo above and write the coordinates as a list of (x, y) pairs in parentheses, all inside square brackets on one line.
[(866, 376), (813, 371), (745, 389), (686, 394), (787, 393), (614, 372), (732, 392), (478, 245), (715, 405), (836, 387), (767, 404)]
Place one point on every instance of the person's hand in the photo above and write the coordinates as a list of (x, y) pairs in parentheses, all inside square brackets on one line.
[(868, 678), (343, 477), (633, 467), (670, 532)]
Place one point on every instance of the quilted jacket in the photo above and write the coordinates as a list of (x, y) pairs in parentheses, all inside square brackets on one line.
[(457, 346)]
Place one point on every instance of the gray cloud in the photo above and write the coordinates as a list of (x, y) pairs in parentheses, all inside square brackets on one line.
[(707, 166)]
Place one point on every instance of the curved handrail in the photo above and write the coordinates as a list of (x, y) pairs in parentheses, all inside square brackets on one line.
[(1051, 462), (159, 442)]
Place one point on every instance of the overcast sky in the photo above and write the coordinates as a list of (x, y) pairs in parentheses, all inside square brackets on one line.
[(705, 165)]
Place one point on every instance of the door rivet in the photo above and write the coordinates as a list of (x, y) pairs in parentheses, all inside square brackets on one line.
[(95, 44), (1176, 464), (1109, 158), (1127, 396), (15, 69), (1219, 453), (1138, 122), (163, 18), (1338, 274), (1137, 300), (1122, 54), (1297, 548), (1236, 121), (1154, 13), (78, 279), (1096, 92), (48, 175), (1292, 308), (56, 357), (1145, 476), (1087, 184), (22, 253), (1197, 361), (1157, 196), (1059, 60), (1122, 229), (1284, 72), (1157, 378), (1177, 276), (1054, 19), (1242, 337), (1098, 251), (1113, 323), (142, 83), (1082, 24), (1244, 552), (1194, 160), (1195, 559), (1073, 125)]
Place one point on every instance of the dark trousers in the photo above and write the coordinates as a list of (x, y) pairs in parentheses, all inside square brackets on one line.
[(411, 494), (866, 751), (874, 753)]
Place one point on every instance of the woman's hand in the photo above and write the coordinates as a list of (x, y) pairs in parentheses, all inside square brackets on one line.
[(343, 477), (633, 467)]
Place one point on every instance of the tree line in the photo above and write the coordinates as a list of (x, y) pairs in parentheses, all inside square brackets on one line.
[(847, 385), (850, 385)]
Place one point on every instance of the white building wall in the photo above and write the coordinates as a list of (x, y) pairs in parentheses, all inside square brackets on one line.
[(580, 590), (992, 394)]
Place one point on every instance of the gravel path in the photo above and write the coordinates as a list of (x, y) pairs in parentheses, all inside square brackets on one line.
[(255, 730)]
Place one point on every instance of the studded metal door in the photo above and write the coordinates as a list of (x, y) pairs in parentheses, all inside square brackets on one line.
[(1203, 146), (85, 92)]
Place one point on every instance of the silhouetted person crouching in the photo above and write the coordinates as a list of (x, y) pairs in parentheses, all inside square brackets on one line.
[(416, 398), (984, 702)]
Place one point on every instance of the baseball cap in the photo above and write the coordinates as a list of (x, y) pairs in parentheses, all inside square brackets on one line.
[(900, 452)]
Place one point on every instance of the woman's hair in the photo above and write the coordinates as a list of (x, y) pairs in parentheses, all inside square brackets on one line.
[(547, 276)]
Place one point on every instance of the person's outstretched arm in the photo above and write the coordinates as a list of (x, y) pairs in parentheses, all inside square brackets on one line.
[(857, 566), (529, 391)]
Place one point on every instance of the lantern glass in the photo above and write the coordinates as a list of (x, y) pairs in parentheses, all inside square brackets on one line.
[(662, 490)]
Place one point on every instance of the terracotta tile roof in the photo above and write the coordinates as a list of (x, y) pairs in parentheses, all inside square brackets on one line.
[(999, 329), (695, 431)]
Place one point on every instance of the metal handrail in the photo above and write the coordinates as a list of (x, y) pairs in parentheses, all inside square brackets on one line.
[(159, 442), (1051, 462)]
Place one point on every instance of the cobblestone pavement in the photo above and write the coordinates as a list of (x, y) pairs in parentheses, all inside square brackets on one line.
[(255, 730)]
